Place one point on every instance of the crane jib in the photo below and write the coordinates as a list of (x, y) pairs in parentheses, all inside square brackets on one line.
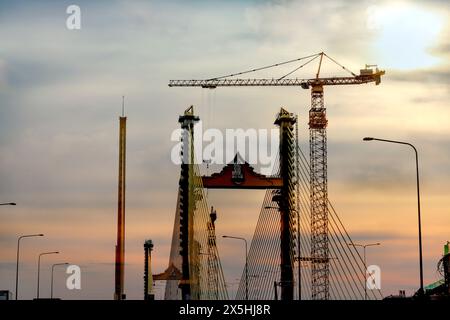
[(304, 83)]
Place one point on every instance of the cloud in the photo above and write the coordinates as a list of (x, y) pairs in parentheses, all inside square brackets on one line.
[(436, 76)]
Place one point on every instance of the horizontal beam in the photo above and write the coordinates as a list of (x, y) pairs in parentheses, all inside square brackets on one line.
[(237, 175), (304, 83), (249, 183)]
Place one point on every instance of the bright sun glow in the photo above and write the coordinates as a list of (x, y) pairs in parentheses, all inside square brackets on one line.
[(405, 35)]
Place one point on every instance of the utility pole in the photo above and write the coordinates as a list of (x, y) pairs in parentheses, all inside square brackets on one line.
[(18, 253), (421, 291), (246, 262)]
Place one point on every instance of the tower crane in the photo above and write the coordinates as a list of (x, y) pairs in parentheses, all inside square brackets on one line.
[(318, 144)]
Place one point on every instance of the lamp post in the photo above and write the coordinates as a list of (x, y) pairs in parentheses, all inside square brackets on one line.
[(364, 246), (421, 291), (8, 204), (39, 268), (246, 262), (17, 258), (53, 268)]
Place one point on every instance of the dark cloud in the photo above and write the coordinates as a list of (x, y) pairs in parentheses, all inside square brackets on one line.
[(380, 166), (380, 236), (442, 49), (435, 76)]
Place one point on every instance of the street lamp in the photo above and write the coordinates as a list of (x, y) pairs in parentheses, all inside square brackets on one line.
[(8, 204), (17, 259), (421, 291), (364, 246), (53, 268), (39, 268), (246, 262)]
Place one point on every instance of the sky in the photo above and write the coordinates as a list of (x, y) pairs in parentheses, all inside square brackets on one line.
[(61, 93)]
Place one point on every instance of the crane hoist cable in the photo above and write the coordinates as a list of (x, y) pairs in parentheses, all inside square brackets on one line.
[(301, 66), (266, 67), (310, 57)]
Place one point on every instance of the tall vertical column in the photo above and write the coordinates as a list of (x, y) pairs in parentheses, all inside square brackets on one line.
[(120, 246), (286, 201), (318, 195), (186, 203), (148, 275)]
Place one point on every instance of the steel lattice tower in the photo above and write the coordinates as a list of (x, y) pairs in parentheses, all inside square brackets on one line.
[(319, 195)]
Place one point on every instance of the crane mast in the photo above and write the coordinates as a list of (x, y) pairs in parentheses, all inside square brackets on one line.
[(318, 195), (318, 148)]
